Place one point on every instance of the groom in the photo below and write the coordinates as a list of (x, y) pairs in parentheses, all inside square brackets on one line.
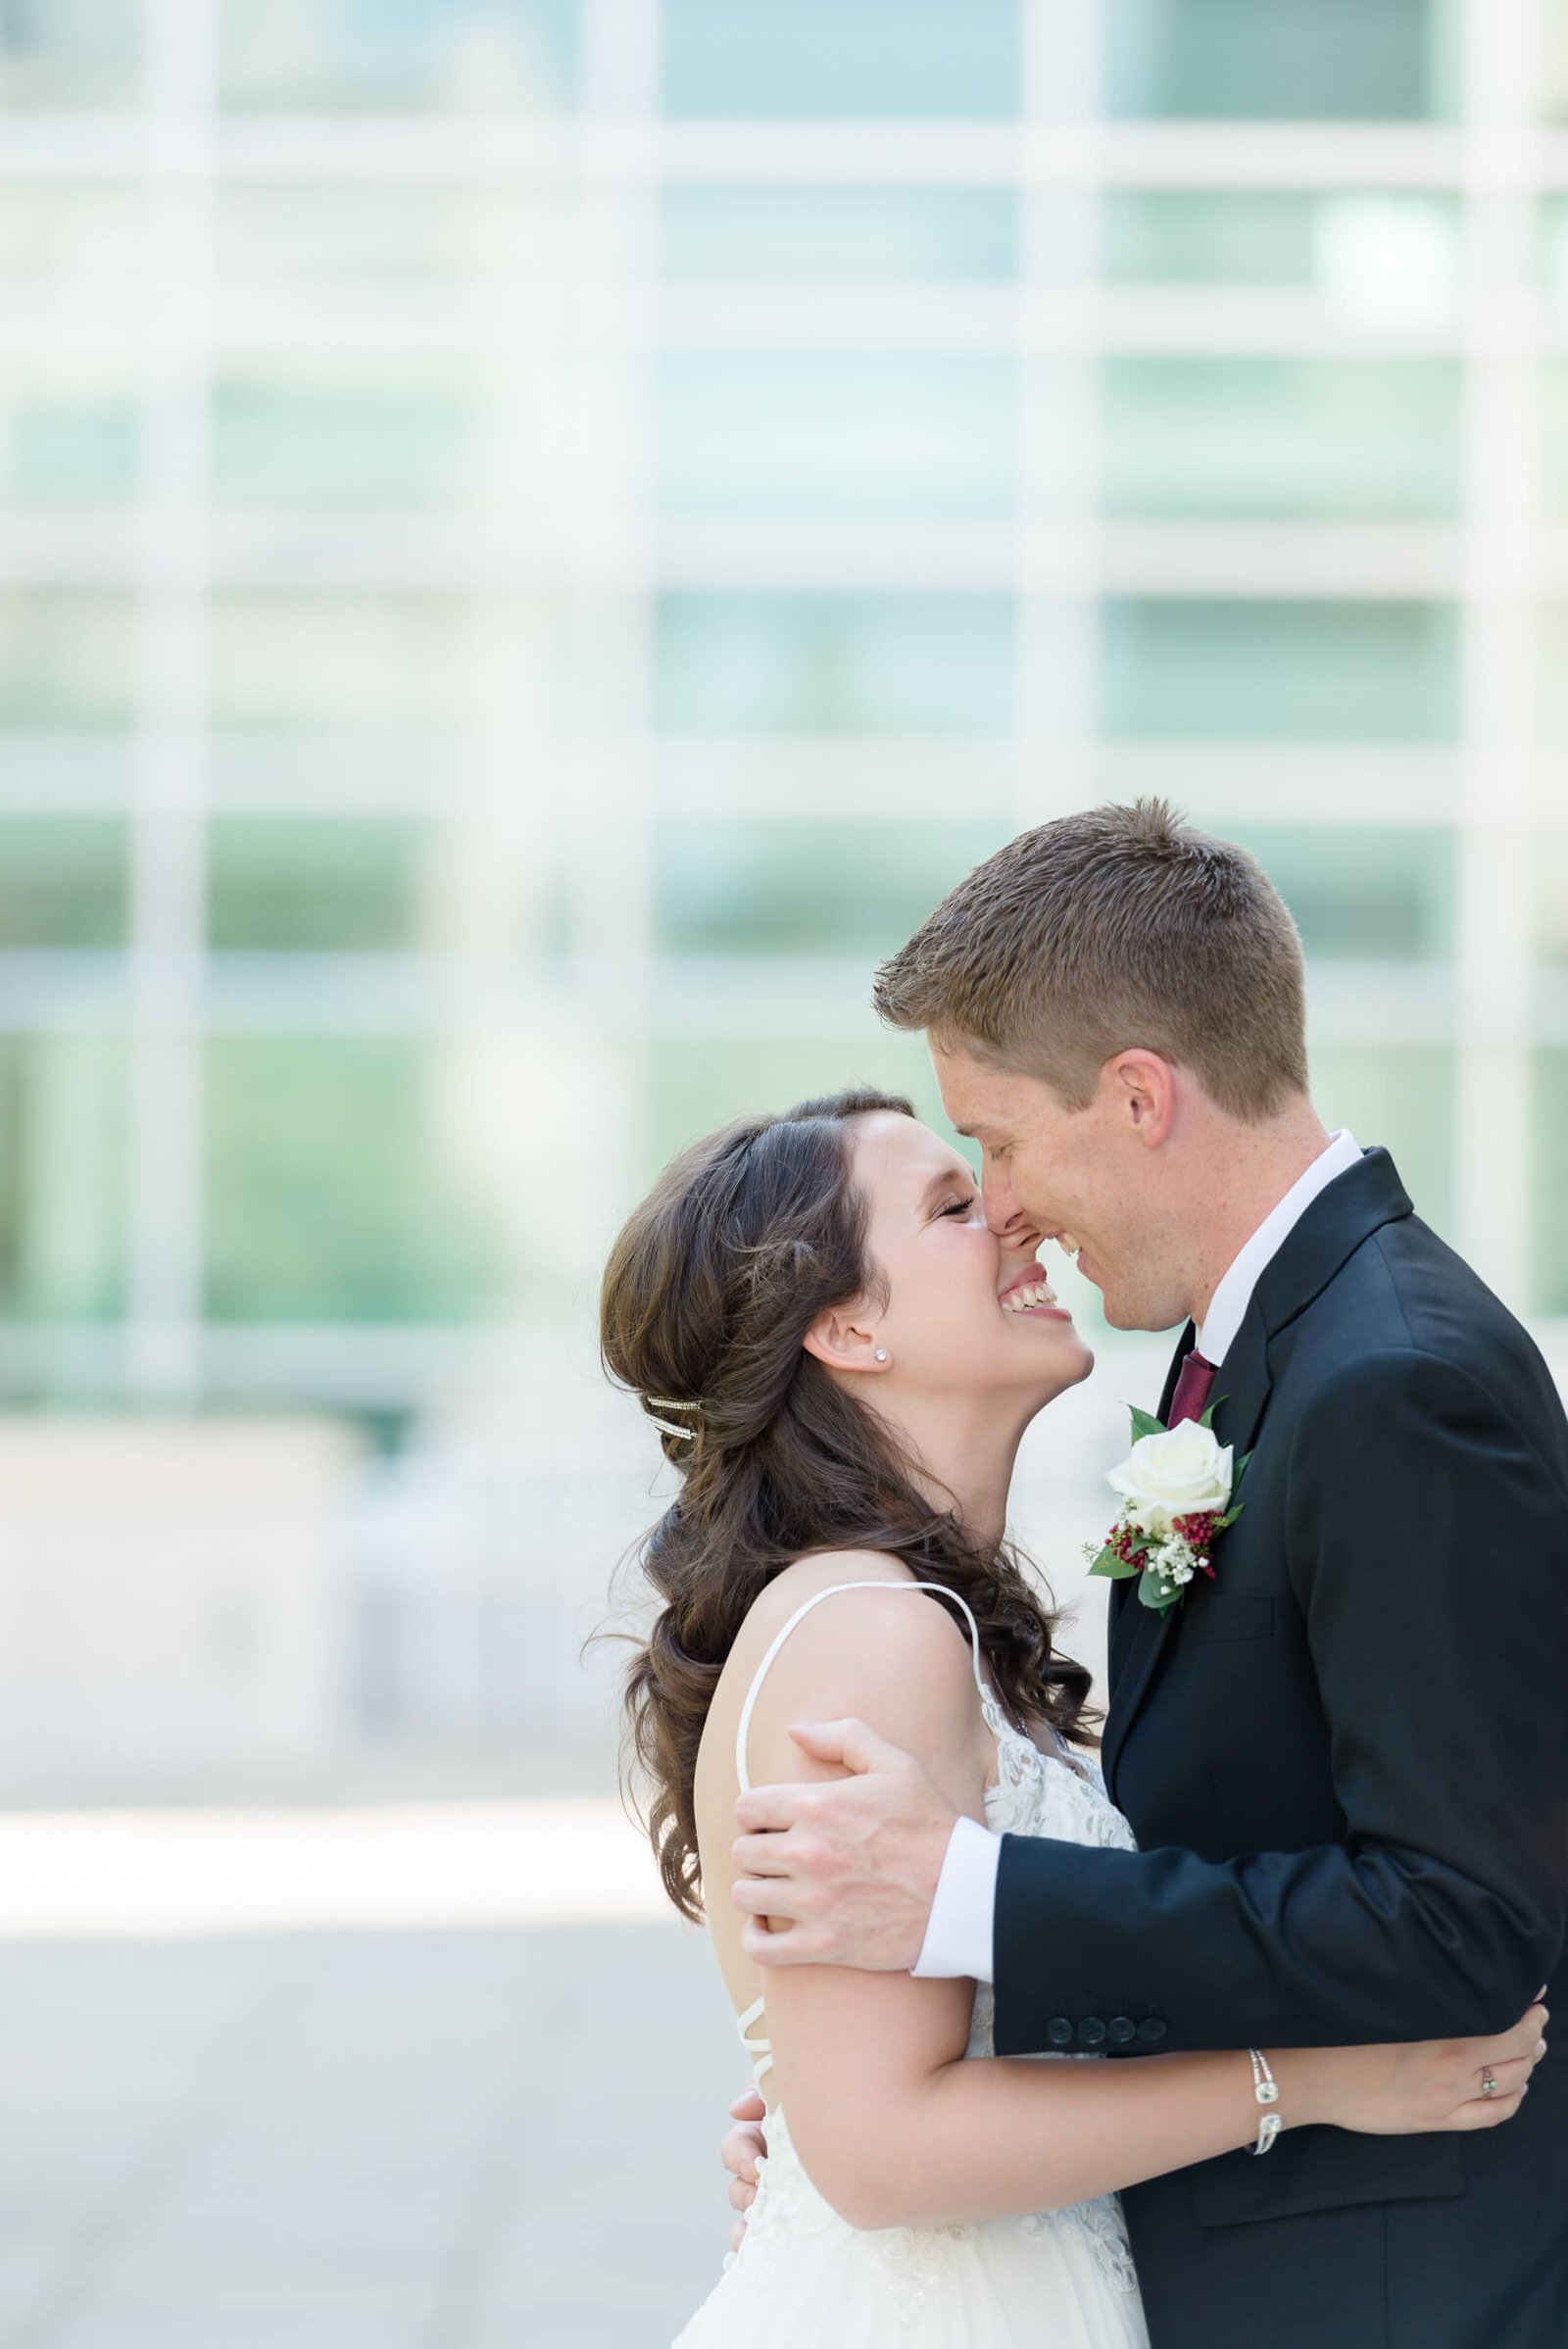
[(1346, 1757)]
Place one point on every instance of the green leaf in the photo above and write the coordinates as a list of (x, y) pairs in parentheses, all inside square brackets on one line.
[(1114, 1568), (1208, 1418), (1156, 1593), (1145, 1424)]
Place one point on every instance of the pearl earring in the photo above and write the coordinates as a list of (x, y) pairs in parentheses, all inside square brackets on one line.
[(881, 1354)]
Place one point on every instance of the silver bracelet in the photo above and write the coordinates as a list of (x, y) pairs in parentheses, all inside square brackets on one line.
[(1266, 2088)]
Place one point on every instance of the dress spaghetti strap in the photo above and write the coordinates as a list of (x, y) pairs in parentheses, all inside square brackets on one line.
[(875, 1582)]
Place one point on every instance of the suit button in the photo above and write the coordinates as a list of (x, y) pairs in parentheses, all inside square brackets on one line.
[(1122, 2028), (1091, 2031), (1152, 2030), (1059, 2031)]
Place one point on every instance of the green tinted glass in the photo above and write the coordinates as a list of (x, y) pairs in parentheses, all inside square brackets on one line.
[(315, 884), (1300, 439), (696, 1084), (1550, 1235), (838, 235), (63, 882), (387, 441), (1399, 1096), (881, 58), (70, 54), (1377, 893), (462, 57), (70, 434), (1554, 427), (1551, 668), (1280, 59), (784, 434), (416, 664), (856, 888), (67, 662), (1364, 249), (1276, 671), (333, 1193), (1554, 249), (69, 235), (388, 232), (1551, 862), (61, 1156), (835, 665)]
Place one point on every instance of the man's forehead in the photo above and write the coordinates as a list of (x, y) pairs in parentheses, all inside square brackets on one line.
[(980, 1102)]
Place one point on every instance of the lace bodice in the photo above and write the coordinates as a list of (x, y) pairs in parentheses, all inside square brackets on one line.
[(1057, 1793)]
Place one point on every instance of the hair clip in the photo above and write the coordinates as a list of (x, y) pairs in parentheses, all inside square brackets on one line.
[(674, 1403)]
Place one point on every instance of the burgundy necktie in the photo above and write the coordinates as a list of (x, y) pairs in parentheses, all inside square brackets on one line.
[(1191, 1398)]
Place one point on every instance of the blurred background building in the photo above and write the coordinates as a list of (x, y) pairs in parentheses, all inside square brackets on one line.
[(537, 539)]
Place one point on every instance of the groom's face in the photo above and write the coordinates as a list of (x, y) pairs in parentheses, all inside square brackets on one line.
[(1048, 1172)]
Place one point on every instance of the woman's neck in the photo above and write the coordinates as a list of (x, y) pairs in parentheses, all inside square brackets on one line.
[(961, 1459)]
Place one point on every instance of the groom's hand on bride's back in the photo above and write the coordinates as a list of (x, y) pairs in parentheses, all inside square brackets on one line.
[(842, 1871), (740, 2153)]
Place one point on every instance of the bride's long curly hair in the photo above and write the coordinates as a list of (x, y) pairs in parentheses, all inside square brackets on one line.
[(710, 1289)]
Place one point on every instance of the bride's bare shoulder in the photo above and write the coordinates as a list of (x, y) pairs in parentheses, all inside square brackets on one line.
[(881, 1650)]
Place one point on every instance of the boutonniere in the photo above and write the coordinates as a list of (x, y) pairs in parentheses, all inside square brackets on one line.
[(1178, 1491)]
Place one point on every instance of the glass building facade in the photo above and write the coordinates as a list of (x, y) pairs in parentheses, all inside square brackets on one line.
[(538, 537)]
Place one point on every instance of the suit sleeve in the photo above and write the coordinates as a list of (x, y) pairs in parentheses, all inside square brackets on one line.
[(1427, 1545)]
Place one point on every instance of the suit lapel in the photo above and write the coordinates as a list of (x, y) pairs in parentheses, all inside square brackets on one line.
[(1126, 1613), (1329, 1232), (1137, 1633)]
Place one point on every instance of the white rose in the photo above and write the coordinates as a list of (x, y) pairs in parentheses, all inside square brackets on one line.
[(1183, 1472)]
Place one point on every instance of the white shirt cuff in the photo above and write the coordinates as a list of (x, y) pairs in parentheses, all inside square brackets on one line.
[(958, 1933)]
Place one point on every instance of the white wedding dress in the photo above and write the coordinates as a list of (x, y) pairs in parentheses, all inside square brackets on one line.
[(1062, 2279)]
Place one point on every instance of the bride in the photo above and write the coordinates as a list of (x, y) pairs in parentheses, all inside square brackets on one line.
[(842, 1359)]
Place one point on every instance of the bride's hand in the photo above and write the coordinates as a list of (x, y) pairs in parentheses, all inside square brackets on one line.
[(1411, 2090)]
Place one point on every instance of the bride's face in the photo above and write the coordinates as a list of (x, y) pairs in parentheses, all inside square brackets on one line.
[(955, 1320)]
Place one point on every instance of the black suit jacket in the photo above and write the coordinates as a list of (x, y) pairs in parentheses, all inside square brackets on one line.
[(1345, 1761)]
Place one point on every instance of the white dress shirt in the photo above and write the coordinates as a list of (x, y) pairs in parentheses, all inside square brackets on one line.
[(959, 1933)]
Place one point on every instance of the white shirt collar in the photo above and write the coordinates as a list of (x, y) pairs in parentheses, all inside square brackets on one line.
[(1235, 1291)]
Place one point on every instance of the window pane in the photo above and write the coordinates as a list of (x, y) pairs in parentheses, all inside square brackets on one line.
[(344, 435), (1551, 896), (1297, 439), (68, 235), (314, 885), (1399, 1096), (1274, 671), (392, 232), (63, 882), (1553, 664), (70, 53), (834, 664), (1363, 250), (335, 1192), (447, 56), (69, 431), (1554, 424), (697, 1085), (838, 235), (1555, 249), (782, 888), (67, 662), (781, 434), (1378, 894), (62, 1151), (1280, 59), (880, 59), (1551, 1186), (343, 664)]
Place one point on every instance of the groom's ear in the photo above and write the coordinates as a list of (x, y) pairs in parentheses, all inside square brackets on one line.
[(1142, 1094)]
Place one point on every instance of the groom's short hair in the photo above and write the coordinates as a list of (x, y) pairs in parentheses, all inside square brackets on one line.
[(1115, 927)]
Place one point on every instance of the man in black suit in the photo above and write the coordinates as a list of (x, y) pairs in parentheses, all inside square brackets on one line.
[(1346, 1757)]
